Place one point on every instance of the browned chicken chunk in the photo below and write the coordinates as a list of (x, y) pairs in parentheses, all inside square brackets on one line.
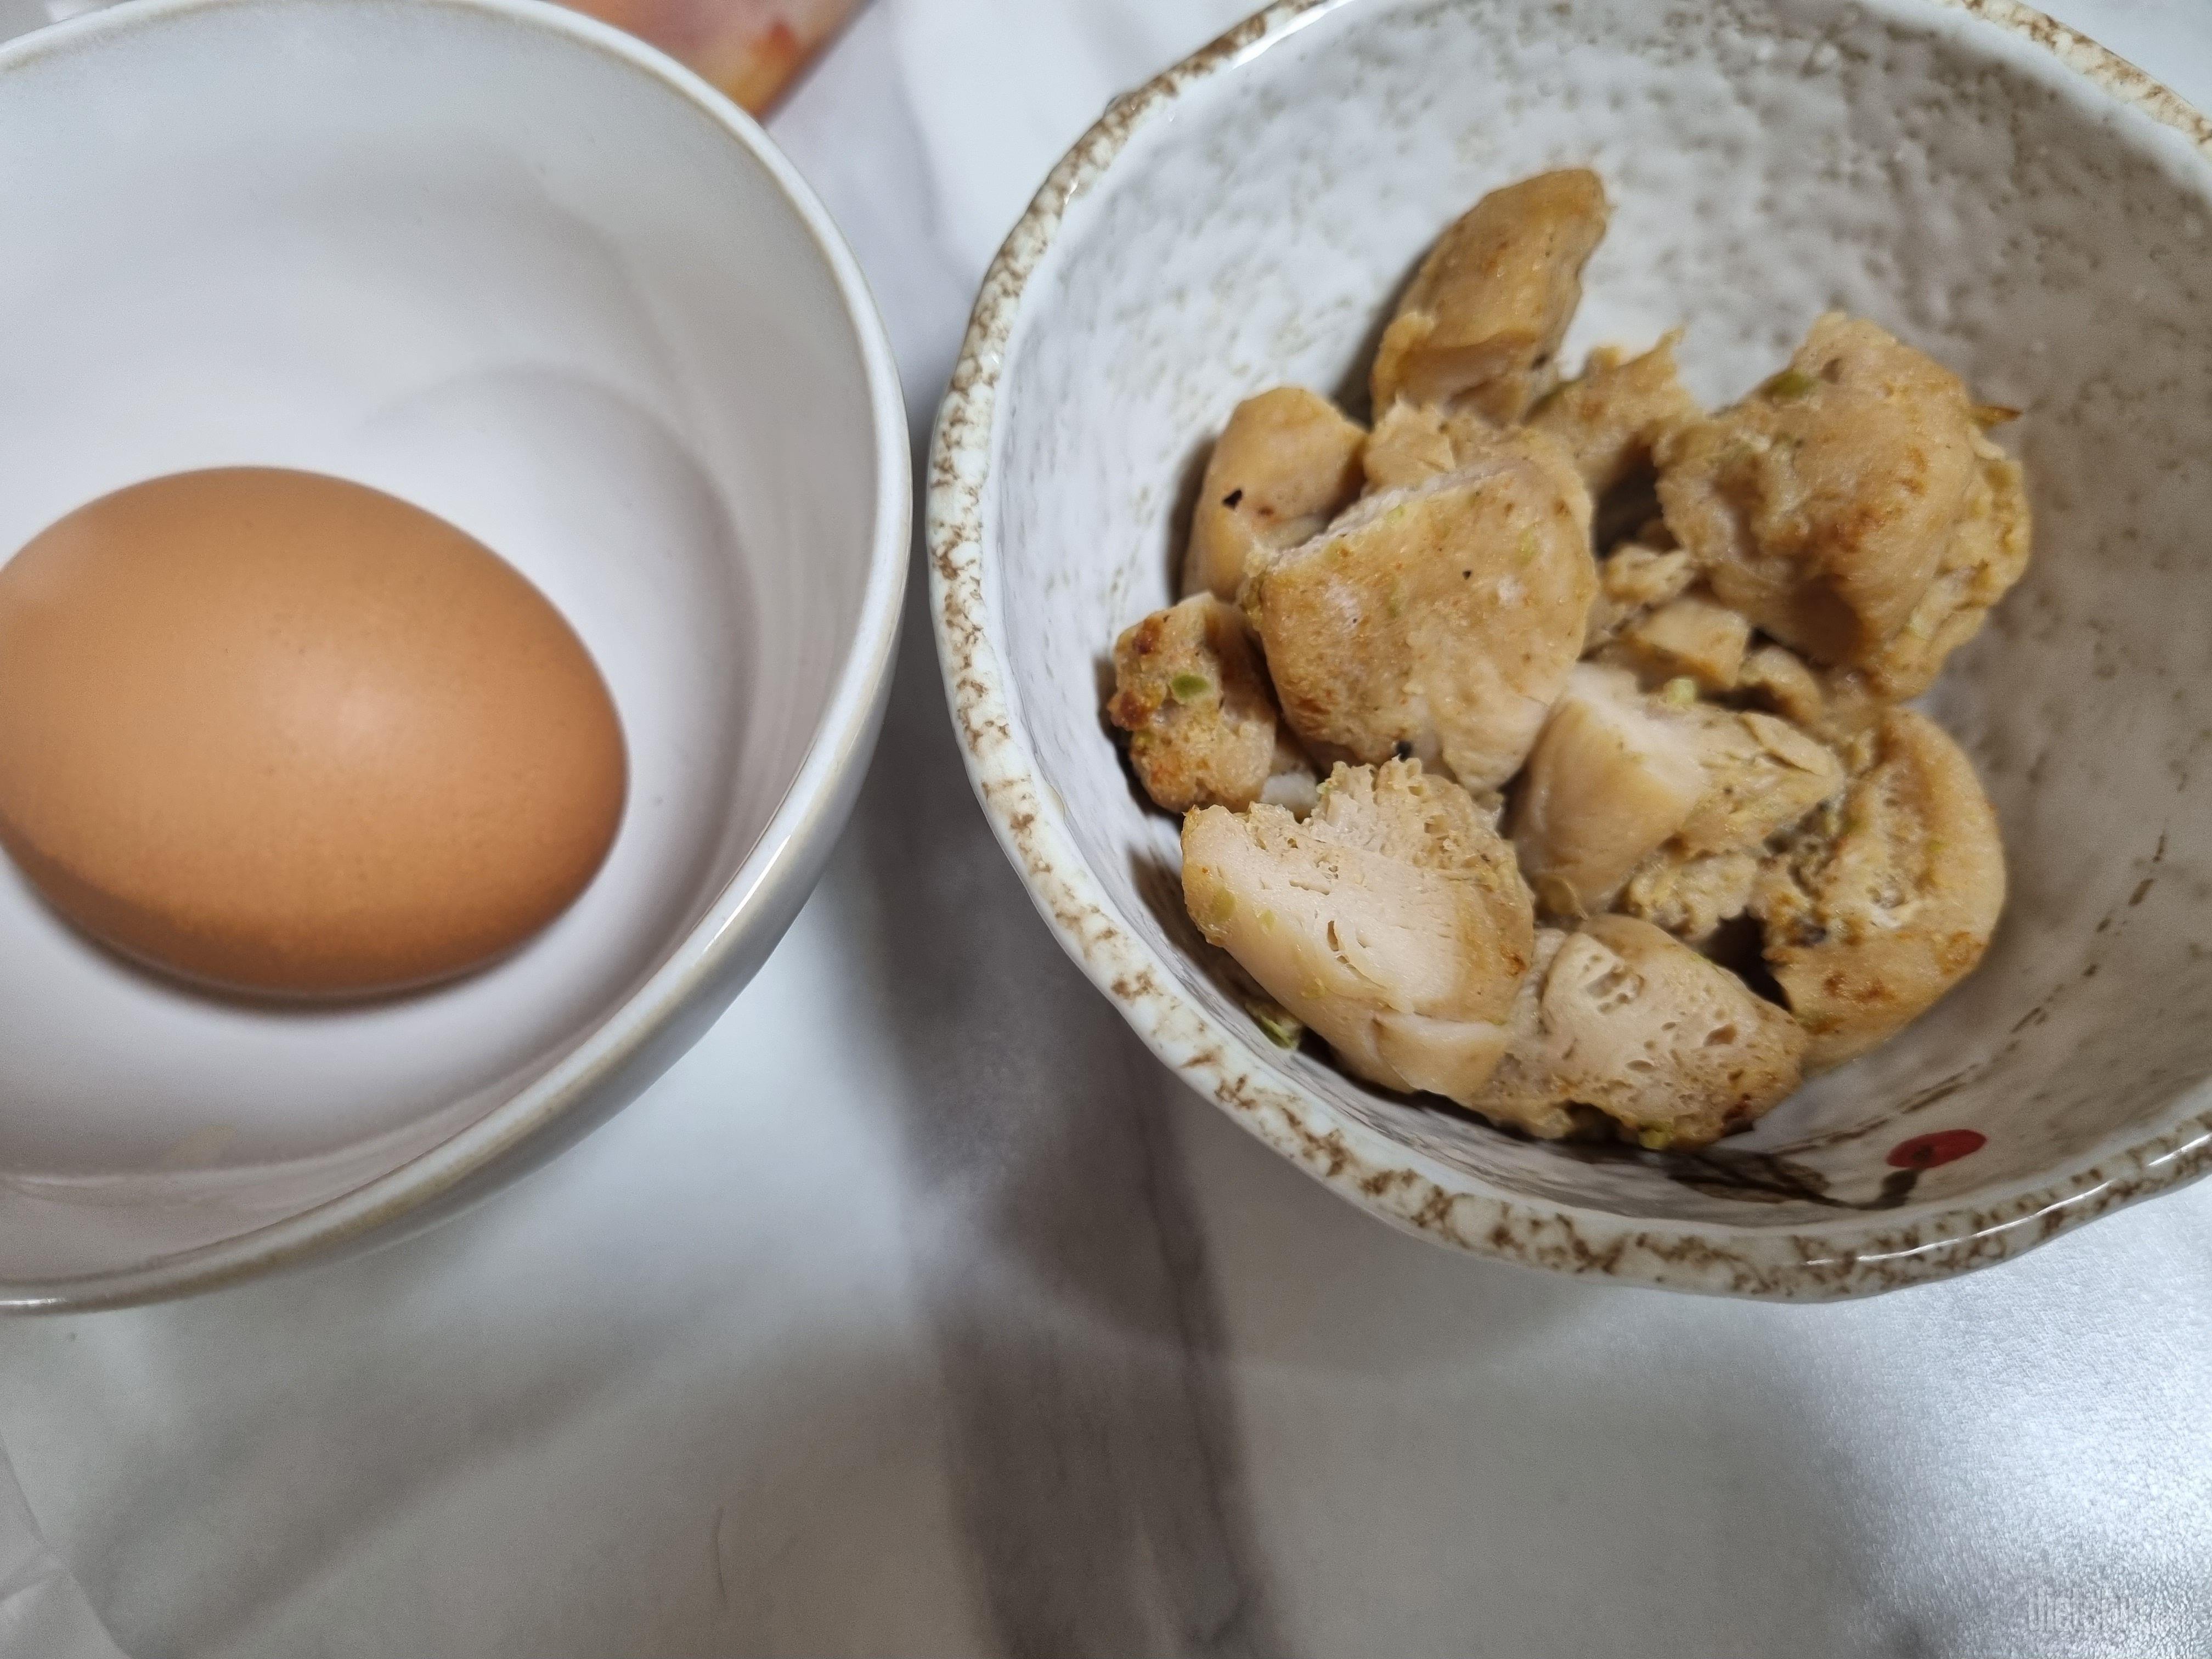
[(1676, 1050), (1691, 894), (1886, 897), (1694, 637), (1633, 580), (1613, 416), (1823, 506), (1619, 774), (1286, 464), (1413, 443), (1985, 555), (1779, 680), (1611, 778), (1195, 702), (1480, 326), (1437, 621), (1762, 775), (1391, 920)]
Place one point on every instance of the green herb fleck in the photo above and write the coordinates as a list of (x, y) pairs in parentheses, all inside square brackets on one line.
[(1284, 1028), (1189, 688), (1527, 547), (1655, 1140), (1223, 908), (1789, 385), (1679, 692)]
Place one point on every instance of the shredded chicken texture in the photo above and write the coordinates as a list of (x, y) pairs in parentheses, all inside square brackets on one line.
[(1523, 1089), (1437, 621), (1618, 773), (1480, 326), (1691, 894), (1286, 464), (1762, 774), (1195, 704), (1392, 921), (1779, 680), (1413, 443), (1834, 704), (1613, 416), (1676, 1050), (1633, 580), (1694, 636), (1823, 506), (1887, 898)]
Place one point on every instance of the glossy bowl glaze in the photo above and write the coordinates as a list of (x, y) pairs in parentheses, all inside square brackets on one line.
[(511, 265), (1991, 186)]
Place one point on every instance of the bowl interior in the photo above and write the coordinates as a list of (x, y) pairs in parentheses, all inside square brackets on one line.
[(1767, 159), (500, 270)]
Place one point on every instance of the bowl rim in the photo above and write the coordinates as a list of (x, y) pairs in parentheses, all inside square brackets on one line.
[(1855, 1256), (646, 1032)]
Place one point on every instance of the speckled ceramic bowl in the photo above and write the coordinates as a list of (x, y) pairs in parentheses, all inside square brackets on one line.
[(1997, 190)]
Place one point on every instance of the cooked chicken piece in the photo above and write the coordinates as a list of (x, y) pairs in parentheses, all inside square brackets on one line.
[(1762, 774), (1821, 506), (1286, 464), (1690, 894), (1438, 621), (1675, 1049), (1833, 704), (1632, 580), (1695, 636), (1523, 1089), (1886, 897), (1195, 702), (1413, 443), (1611, 778), (1619, 774), (1482, 323), (1985, 555), (1392, 921), (1984, 558), (1776, 678), (1612, 417)]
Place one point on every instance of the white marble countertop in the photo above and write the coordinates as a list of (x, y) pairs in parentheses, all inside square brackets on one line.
[(919, 1311)]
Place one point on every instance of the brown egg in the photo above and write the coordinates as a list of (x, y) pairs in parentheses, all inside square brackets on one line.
[(280, 732)]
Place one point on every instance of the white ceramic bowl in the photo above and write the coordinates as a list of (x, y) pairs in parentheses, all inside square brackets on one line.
[(515, 267), (1995, 189)]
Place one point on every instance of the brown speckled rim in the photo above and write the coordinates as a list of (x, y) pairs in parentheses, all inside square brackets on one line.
[(1855, 1256), (636, 1041)]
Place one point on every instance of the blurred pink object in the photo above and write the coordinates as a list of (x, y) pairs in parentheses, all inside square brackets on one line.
[(751, 49)]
